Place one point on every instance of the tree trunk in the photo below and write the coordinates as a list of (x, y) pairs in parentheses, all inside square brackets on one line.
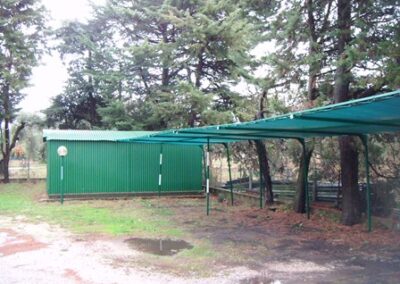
[(5, 146), (6, 150), (351, 213), (165, 79), (265, 170), (9, 143), (314, 66), (263, 156), (92, 101), (165, 70), (199, 67), (300, 197), (198, 77), (6, 173), (352, 205)]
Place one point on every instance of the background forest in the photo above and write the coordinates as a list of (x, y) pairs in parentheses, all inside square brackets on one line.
[(158, 64)]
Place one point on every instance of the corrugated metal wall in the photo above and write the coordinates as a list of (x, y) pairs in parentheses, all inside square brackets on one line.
[(110, 167)]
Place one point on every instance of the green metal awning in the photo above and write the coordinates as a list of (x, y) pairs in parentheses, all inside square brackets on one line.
[(376, 114)]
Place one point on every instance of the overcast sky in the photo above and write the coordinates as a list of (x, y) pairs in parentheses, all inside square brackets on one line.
[(48, 79)]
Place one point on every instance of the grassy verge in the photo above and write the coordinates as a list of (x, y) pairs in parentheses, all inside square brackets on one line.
[(96, 216)]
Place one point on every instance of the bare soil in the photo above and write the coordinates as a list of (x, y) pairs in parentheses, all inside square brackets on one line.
[(283, 245), (250, 245)]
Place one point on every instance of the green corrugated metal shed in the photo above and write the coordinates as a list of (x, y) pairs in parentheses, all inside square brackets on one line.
[(97, 164)]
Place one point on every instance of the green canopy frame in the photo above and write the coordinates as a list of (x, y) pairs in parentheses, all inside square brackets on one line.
[(361, 117)]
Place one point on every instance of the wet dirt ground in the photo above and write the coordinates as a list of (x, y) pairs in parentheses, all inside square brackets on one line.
[(285, 246), (251, 246), (40, 253)]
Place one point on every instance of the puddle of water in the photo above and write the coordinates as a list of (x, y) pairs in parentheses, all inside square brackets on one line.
[(158, 246)]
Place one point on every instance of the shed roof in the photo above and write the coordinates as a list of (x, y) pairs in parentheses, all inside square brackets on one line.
[(376, 114), (91, 135)]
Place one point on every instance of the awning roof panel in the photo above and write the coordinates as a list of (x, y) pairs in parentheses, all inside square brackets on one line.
[(377, 114)]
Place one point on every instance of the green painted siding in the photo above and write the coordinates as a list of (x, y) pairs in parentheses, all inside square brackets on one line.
[(108, 167)]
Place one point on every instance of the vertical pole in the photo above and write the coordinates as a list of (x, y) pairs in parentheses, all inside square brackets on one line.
[(160, 171), (364, 139), (62, 179), (261, 187), (204, 166), (250, 179), (307, 190), (208, 176), (230, 171), (305, 175)]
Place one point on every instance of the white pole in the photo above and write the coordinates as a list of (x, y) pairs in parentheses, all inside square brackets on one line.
[(208, 169), (160, 171)]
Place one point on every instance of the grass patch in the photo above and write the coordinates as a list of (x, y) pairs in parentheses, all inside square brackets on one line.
[(201, 250), (155, 205), (95, 216), (192, 261)]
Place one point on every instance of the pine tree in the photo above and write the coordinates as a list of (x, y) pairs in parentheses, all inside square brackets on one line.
[(21, 38), (81, 46), (183, 56)]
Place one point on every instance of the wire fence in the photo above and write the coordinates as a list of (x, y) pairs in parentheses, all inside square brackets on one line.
[(27, 170)]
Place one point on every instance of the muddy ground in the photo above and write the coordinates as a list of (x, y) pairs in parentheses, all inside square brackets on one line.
[(248, 245), (285, 246)]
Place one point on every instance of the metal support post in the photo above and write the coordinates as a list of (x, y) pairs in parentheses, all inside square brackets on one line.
[(364, 139), (208, 176), (62, 180), (204, 169), (261, 188), (62, 151), (305, 175), (160, 171), (230, 171)]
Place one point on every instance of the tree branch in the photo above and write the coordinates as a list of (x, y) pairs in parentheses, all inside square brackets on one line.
[(326, 19), (375, 170), (261, 111), (367, 92), (15, 136)]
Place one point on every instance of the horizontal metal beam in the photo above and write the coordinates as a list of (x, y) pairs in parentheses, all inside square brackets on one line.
[(351, 121), (164, 142), (243, 136), (217, 140), (298, 131)]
